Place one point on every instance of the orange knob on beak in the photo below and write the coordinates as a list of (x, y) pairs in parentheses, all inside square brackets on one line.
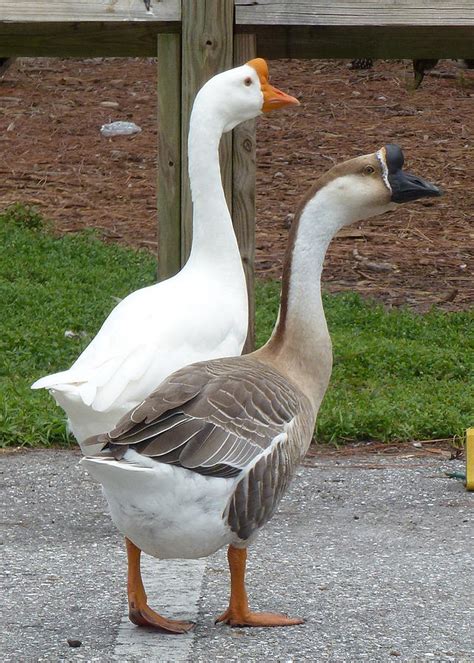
[(273, 98)]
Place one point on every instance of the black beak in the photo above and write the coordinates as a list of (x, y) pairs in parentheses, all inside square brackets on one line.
[(407, 187)]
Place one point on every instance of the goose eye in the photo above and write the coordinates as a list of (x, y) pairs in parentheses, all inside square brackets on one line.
[(248, 81), (369, 170)]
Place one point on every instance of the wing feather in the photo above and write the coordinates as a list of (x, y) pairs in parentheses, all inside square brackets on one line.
[(174, 438), (202, 451), (223, 418), (150, 431)]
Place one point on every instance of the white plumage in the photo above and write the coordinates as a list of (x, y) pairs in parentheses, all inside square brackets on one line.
[(167, 511), (201, 313), (139, 345)]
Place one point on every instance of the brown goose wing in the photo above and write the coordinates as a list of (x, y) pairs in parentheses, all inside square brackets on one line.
[(212, 417), (224, 418)]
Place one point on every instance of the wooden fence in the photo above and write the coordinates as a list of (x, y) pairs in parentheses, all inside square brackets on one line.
[(194, 39)]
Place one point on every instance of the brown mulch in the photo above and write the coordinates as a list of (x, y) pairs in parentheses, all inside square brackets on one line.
[(446, 449), (54, 157)]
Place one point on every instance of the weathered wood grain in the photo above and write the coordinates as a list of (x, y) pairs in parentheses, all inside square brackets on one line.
[(295, 28), (354, 12), (169, 155), (207, 47), (78, 28), (243, 188), (359, 28), (76, 11)]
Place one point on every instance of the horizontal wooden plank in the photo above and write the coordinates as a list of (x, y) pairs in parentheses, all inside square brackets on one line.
[(384, 42), (354, 12), (249, 12), (124, 39), (76, 11), (78, 28), (297, 29)]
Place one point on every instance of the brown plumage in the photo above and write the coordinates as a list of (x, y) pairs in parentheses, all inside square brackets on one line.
[(215, 418), (205, 460)]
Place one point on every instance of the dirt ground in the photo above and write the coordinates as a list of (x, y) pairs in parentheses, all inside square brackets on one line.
[(53, 156)]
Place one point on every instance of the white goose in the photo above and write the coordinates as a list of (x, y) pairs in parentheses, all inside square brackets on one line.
[(204, 461), (201, 313)]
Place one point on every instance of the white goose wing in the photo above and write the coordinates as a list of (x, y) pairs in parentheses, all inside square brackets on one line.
[(225, 418), (146, 337)]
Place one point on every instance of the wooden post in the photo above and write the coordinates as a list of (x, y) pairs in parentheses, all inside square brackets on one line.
[(169, 155), (243, 187), (206, 49)]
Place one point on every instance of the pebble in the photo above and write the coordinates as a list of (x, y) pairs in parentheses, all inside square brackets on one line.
[(74, 643), (119, 128), (109, 104)]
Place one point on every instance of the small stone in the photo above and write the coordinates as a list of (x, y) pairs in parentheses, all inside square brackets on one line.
[(356, 517), (74, 643), (119, 128), (109, 104), (394, 652)]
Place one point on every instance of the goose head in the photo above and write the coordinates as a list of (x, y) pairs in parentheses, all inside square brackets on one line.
[(373, 184), (243, 93)]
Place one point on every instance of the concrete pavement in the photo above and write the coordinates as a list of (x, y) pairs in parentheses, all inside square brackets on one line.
[(374, 552)]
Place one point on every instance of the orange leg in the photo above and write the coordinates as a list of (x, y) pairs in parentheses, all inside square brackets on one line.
[(238, 612), (138, 610)]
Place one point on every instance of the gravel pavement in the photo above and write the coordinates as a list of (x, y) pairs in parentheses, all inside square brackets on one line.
[(376, 553)]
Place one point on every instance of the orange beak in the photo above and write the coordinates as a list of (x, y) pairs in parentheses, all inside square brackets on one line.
[(273, 98)]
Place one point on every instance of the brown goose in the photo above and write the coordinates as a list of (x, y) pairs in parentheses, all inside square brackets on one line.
[(204, 461)]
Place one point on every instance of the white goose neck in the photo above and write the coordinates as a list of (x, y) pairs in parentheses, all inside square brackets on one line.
[(213, 234)]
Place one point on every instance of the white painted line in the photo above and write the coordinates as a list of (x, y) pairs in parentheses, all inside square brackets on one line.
[(173, 589)]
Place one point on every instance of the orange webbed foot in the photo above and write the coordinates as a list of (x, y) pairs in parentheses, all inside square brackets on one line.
[(238, 612), (257, 619), (145, 616)]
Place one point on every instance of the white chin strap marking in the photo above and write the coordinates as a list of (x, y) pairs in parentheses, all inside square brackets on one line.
[(380, 154)]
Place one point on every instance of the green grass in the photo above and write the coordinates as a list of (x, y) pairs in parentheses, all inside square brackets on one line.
[(49, 285), (397, 375)]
